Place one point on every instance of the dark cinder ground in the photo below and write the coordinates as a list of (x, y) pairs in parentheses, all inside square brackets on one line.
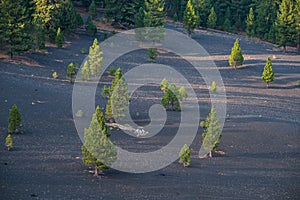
[(262, 153)]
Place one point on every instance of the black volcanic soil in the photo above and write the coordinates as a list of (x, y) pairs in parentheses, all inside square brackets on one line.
[(262, 152)]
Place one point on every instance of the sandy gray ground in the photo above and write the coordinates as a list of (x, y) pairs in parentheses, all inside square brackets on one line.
[(262, 154)]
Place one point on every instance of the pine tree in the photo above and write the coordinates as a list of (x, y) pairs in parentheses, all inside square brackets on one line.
[(286, 24), (212, 19), (108, 111), (67, 16), (227, 25), (212, 134), (98, 150), (71, 71), (85, 71), (171, 97), (154, 15), (14, 120), (9, 142), (189, 18), (49, 12), (39, 33), (152, 54), (95, 59), (268, 74), (164, 85), (185, 156), (93, 10), (250, 29), (139, 18), (202, 8), (101, 121), (59, 39), (90, 27), (236, 57), (14, 26), (120, 99)]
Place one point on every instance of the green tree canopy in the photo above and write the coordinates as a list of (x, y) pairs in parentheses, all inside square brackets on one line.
[(236, 57), (98, 150), (212, 19), (189, 18), (14, 120), (212, 134), (287, 23), (268, 74)]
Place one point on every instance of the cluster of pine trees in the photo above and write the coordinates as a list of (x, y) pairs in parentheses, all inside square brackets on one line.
[(28, 24), (276, 21)]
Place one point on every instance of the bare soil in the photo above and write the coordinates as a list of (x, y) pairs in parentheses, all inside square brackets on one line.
[(260, 136)]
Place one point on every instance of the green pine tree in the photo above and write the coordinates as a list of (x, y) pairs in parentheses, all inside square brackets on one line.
[(154, 15), (287, 24), (152, 54), (120, 99), (9, 142), (90, 27), (212, 19), (14, 26), (67, 16), (71, 71), (97, 149), (171, 97), (93, 10), (236, 57), (268, 74), (95, 59), (108, 111), (189, 18), (39, 33), (14, 120), (212, 134), (60, 39), (85, 73), (185, 156), (250, 29)]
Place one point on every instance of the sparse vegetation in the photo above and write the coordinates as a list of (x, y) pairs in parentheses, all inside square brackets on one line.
[(268, 74), (14, 120), (236, 57), (152, 54), (9, 142), (79, 113), (185, 156), (213, 87), (71, 71), (54, 75), (212, 134)]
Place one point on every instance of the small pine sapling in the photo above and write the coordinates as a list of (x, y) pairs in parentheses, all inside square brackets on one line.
[(212, 134), (14, 120), (9, 142), (213, 87), (268, 74), (71, 71), (185, 156), (152, 54), (59, 39), (236, 57)]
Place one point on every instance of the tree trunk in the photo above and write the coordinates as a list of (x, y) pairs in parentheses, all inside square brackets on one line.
[(268, 84), (284, 48), (210, 154), (234, 64), (8, 148), (96, 171)]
